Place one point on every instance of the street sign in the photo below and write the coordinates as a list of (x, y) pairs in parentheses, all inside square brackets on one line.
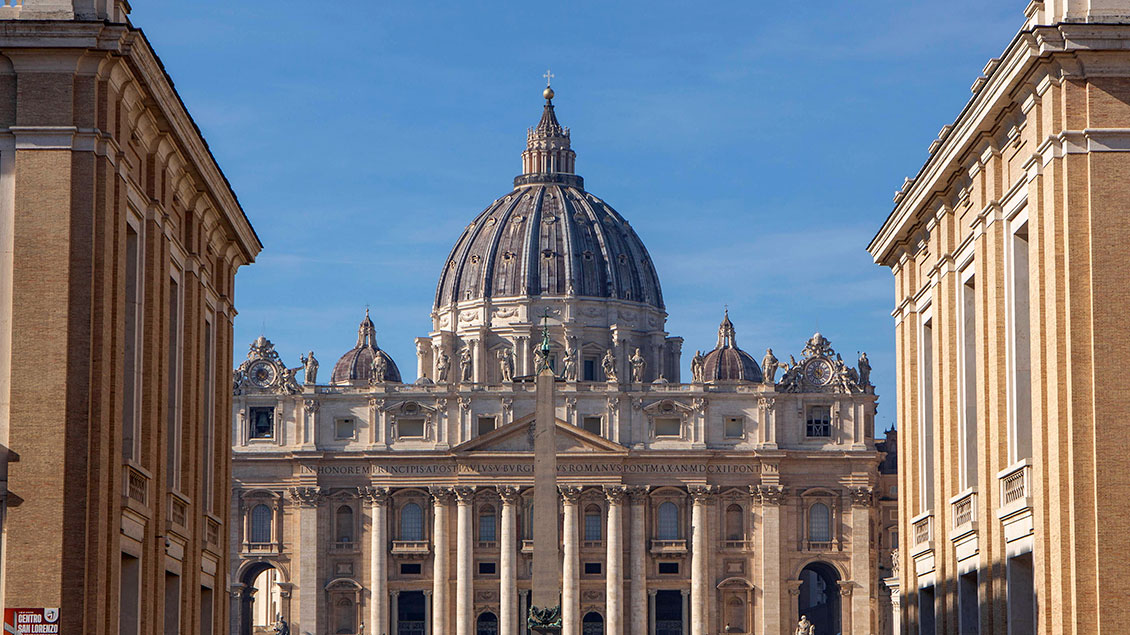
[(18, 621)]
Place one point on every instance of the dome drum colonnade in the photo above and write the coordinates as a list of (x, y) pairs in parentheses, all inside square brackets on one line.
[(736, 438)]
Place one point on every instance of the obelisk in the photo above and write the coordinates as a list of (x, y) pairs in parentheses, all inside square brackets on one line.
[(545, 600)]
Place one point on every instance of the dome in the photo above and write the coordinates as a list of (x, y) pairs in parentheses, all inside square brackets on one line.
[(357, 365), (727, 362), (548, 236)]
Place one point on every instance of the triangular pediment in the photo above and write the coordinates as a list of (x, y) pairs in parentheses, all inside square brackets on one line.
[(519, 437)]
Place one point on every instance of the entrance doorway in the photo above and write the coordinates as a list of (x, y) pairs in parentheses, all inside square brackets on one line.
[(668, 613), (592, 624), (410, 613), (487, 624), (820, 597), (260, 603)]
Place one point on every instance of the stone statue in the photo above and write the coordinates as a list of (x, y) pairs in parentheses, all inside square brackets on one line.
[(506, 364), (309, 368), (864, 370), (769, 366), (569, 365), (465, 364), (638, 366), (609, 365), (379, 366), (804, 627), (443, 363), (281, 627), (697, 364)]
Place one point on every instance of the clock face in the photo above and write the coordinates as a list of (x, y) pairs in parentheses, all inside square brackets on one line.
[(262, 374), (818, 372)]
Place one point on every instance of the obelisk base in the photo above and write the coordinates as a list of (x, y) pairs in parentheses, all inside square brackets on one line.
[(544, 620)]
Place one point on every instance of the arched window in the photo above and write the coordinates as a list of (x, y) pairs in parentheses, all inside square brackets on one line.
[(592, 523), (344, 615), (668, 521), (592, 624), (344, 523), (819, 523), (411, 522), (487, 624), (487, 524), (735, 523), (260, 523)]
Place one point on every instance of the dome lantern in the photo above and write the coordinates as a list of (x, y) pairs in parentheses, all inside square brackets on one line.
[(356, 366), (727, 362), (549, 157)]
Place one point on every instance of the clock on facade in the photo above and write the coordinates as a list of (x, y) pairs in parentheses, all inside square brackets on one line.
[(818, 372), (261, 374)]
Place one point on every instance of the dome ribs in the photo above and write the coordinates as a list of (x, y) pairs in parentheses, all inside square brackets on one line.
[(501, 214)]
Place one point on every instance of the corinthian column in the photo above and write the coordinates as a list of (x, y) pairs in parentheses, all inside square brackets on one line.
[(570, 568), (771, 496), (309, 588), (700, 620), (464, 591), (378, 557), (614, 580), (441, 499), (508, 576), (637, 600)]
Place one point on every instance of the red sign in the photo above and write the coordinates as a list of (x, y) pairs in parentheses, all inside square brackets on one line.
[(18, 621)]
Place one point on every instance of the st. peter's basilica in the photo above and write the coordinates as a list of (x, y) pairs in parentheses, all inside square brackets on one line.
[(739, 501)]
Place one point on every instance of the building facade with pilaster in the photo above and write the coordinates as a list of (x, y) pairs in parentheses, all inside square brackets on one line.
[(1008, 250), (733, 502)]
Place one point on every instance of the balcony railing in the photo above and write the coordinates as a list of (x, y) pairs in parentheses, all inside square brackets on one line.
[(260, 547), (819, 545), (668, 546), (1015, 483), (527, 546), (410, 547), (345, 546), (923, 528), (135, 485), (212, 531), (178, 510), (592, 544), (964, 508), (736, 545), (486, 544)]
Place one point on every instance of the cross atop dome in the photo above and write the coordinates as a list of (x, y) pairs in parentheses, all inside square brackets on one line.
[(548, 156)]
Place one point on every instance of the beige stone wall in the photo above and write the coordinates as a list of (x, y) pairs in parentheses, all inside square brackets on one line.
[(94, 140), (1045, 138)]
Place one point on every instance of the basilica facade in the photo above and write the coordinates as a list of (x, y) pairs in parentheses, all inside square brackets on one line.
[(738, 501)]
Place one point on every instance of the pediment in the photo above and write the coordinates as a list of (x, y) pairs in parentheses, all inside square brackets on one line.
[(519, 437)]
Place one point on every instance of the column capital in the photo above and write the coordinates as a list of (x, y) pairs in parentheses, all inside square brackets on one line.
[(465, 494), (862, 496), (569, 493), (846, 588), (652, 592), (769, 494), (306, 496), (509, 494), (441, 495), (638, 493), (793, 587), (378, 496), (615, 494), (701, 494)]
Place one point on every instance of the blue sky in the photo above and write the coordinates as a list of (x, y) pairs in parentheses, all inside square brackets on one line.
[(754, 147)]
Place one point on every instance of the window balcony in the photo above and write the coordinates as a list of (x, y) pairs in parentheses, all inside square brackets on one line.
[(737, 545), (345, 546), (260, 548), (410, 547), (1016, 486), (819, 545), (486, 544), (527, 546), (135, 486), (963, 531), (592, 544), (666, 547), (922, 532)]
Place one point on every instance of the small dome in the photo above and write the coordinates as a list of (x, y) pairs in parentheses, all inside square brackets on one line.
[(727, 362), (356, 366)]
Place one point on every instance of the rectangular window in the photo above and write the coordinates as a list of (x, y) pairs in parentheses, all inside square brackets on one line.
[(172, 424), (487, 528), (819, 421), (734, 427), (1020, 446), (487, 568), (131, 344), (969, 383), (129, 603), (345, 429), (261, 420), (207, 456), (410, 568), (1021, 595), (592, 424), (592, 568), (410, 428), (589, 369), (206, 611), (486, 424), (593, 526), (969, 620), (926, 417), (172, 603), (926, 611), (667, 427), (669, 567)]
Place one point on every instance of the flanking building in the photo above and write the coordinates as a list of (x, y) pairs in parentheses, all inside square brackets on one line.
[(733, 502), (119, 242), (1009, 251)]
